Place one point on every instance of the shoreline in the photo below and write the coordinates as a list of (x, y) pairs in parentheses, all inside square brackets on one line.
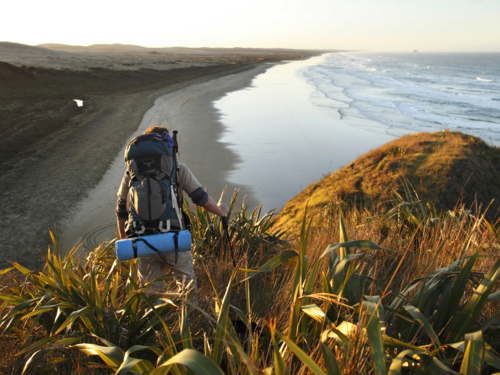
[(183, 109), (287, 138)]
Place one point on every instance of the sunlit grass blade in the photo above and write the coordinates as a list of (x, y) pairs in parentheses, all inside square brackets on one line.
[(344, 250), (293, 325), (306, 360), (187, 342), (490, 356), (193, 360), (315, 313), (391, 342), (469, 314), (273, 263), (222, 322), (37, 345), (279, 363), (32, 357), (332, 367), (397, 363), (304, 235), (112, 356), (374, 333), (472, 362), (142, 366), (419, 317), (360, 244), (71, 318)]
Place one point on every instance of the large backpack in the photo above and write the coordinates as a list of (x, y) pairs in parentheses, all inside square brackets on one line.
[(152, 167)]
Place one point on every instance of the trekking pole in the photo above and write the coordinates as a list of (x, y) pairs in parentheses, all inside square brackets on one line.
[(226, 229)]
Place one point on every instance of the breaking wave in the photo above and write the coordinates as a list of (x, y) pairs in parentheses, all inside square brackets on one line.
[(400, 93)]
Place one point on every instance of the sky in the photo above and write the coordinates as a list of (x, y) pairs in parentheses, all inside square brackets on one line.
[(375, 25)]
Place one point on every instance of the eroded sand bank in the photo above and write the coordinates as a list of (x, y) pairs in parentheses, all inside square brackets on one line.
[(190, 111)]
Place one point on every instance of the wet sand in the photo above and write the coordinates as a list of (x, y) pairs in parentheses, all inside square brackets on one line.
[(190, 111), (288, 135)]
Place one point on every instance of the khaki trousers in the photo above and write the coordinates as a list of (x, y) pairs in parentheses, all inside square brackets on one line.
[(152, 267)]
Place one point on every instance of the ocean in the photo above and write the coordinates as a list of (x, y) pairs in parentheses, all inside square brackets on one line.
[(413, 92), (301, 120)]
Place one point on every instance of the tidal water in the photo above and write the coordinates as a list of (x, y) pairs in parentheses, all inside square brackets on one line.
[(301, 120), (414, 92)]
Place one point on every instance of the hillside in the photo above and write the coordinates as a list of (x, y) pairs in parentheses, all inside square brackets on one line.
[(444, 168), (128, 57), (118, 49)]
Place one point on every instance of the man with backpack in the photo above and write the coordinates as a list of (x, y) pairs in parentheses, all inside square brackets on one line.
[(150, 202)]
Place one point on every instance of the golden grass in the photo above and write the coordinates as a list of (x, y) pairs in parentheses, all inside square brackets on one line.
[(414, 255)]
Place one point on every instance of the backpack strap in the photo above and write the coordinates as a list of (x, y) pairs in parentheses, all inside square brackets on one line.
[(176, 244), (134, 245), (175, 206)]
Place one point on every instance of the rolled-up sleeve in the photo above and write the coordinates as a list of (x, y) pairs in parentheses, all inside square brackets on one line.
[(191, 186), (199, 197)]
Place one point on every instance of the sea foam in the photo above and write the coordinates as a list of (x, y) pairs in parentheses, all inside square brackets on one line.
[(400, 91)]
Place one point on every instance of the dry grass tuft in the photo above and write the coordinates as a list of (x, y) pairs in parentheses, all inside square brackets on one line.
[(310, 313)]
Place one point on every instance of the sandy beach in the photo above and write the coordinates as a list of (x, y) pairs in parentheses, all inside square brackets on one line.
[(286, 136), (190, 111)]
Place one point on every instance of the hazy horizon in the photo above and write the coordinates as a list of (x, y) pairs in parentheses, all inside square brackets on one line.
[(271, 48), (381, 25)]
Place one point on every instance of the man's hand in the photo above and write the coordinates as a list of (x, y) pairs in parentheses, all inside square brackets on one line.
[(219, 209), (224, 209)]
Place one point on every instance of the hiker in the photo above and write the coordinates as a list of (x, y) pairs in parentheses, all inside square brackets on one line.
[(152, 267)]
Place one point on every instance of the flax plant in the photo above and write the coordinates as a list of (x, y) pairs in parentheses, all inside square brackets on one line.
[(331, 302), (335, 325), (248, 230), (76, 302)]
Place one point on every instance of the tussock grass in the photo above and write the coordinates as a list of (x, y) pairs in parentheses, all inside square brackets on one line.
[(411, 291)]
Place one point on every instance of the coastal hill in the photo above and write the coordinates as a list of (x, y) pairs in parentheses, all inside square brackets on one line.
[(444, 168), (120, 49), (129, 57)]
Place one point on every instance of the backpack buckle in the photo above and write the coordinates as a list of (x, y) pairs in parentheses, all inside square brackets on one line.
[(167, 226), (135, 225)]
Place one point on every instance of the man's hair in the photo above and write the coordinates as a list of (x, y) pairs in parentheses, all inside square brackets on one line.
[(155, 129)]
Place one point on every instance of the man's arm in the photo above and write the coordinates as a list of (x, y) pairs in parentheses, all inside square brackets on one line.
[(219, 209), (121, 228), (199, 196), (121, 206)]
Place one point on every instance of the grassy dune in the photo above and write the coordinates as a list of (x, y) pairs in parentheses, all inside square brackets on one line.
[(445, 168), (408, 290)]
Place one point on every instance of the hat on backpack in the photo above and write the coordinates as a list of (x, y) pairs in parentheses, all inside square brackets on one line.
[(169, 139)]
